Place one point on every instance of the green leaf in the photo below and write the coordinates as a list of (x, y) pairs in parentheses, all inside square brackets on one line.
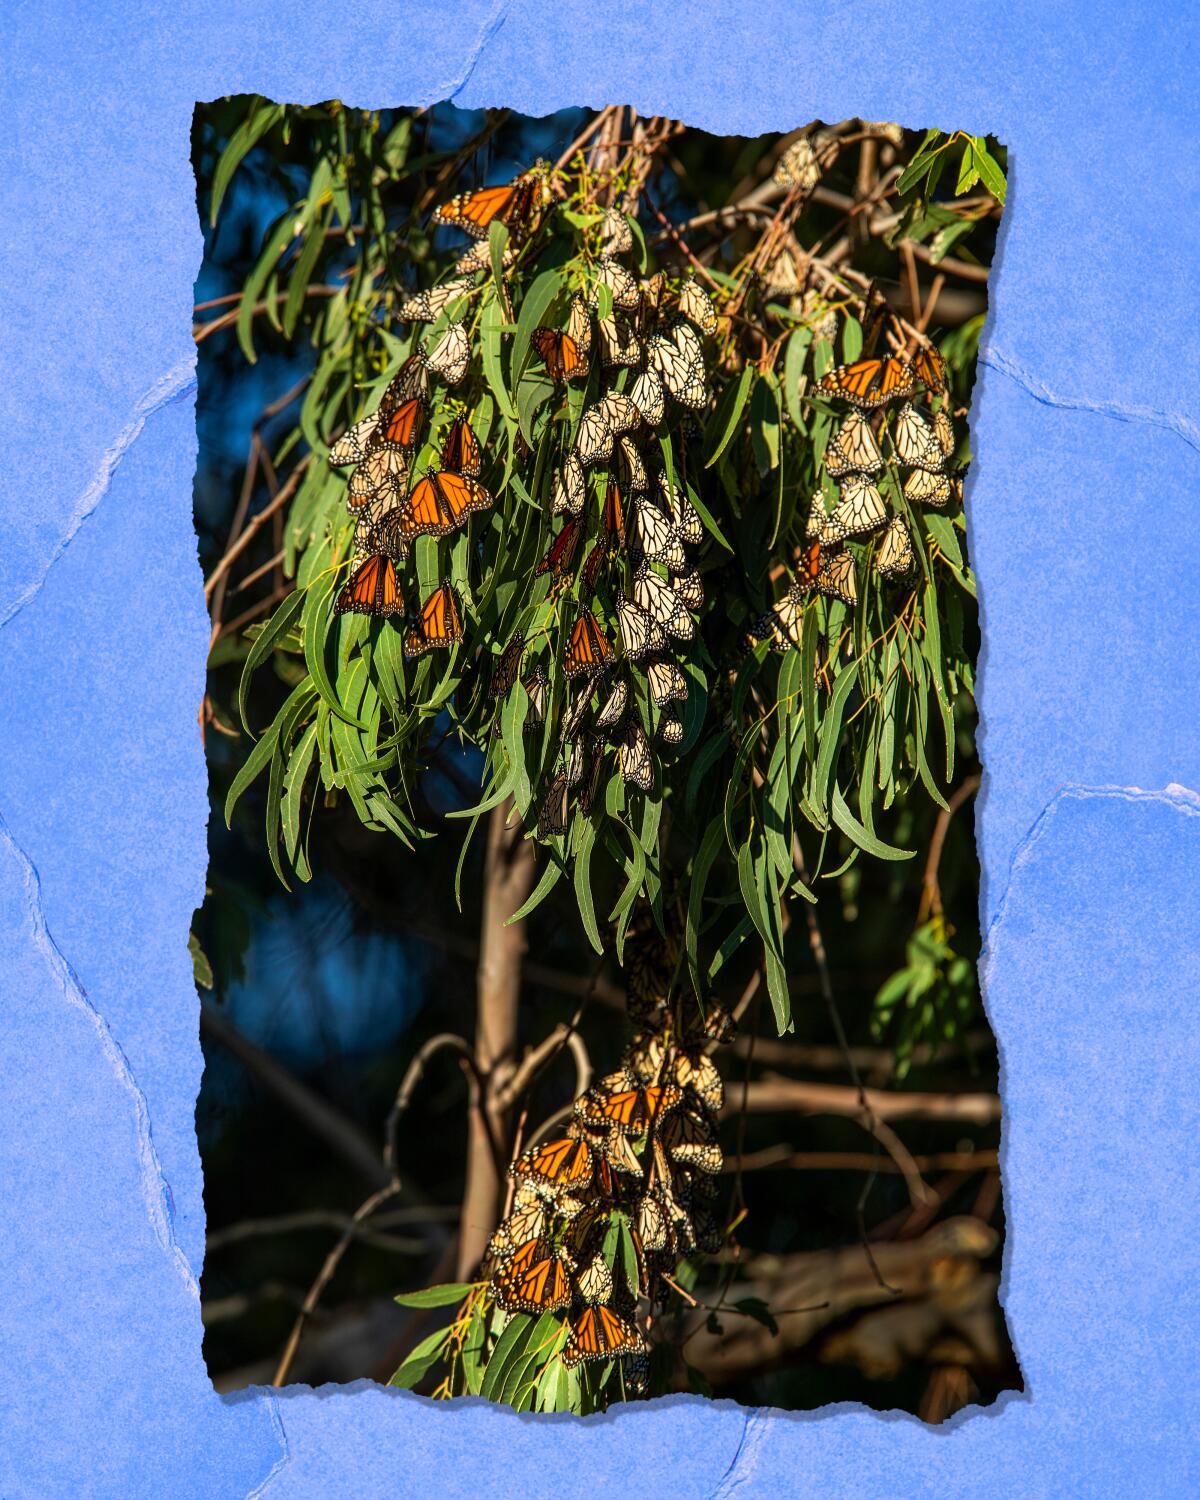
[(261, 118), (702, 863), (253, 766), (798, 344), (551, 875), (534, 306), (583, 886), (830, 737), (490, 324), (989, 169), (508, 1349), (310, 250), (728, 413), (421, 1360), (201, 968), (860, 835), (450, 1293)]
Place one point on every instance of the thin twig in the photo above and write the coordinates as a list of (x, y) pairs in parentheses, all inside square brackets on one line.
[(237, 548), (931, 891), (408, 1086), (325, 1275)]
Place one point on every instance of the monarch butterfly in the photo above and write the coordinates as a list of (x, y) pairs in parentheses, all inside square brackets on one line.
[(383, 471), (944, 432), (620, 412), (707, 1231), (923, 487), (411, 379), (861, 508), (930, 368), (594, 441), (620, 283), (596, 1282), (461, 453), (713, 1024), (869, 383), (536, 686), (837, 578), (650, 298), (853, 449), (580, 759), (614, 514), (696, 304), (598, 1333), (372, 590), (691, 1138), (566, 353), (632, 466), (526, 1222), (662, 604), (512, 205), (478, 257), (895, 555), (690, 589), (648, 395), (591, 570), (439, 504), (561, 1165), (614, 707), (683, 513), (636, 760), (822, 526), (619, 349), (640, 635), (569, 488), (667, 682), (507, 666), (554, 813), (670, 730), (621, 1155), (533, 1279), (645, 1057), (576, 713), (798, 166), (353, 445), (400, 428), (635, 1373), (652, 1223), (616, 237), (424, 307), (439, 624), (452, 354), (914, 441), (782, 622), (698, 1072), (587, 648), (591, 778), (620, 1101), (653, 537), (369, 521), (682, 375), (558, 560)]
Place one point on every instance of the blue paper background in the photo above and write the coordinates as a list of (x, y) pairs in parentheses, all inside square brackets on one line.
[(1087, 437)]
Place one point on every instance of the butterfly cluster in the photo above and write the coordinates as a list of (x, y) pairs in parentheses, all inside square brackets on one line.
[(601, 1213), (393, 505), (870, 440), (644, 528)]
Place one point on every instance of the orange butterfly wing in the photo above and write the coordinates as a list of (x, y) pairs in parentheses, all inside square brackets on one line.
[(400, 429), (439, 625), (534, 1279), (462, 453), (562, 552), (598, 1333), (614, 510), (373, 590), (565, 1163), (587, 649), (511, 204), (869, 382), (810, 563), (930, 368)]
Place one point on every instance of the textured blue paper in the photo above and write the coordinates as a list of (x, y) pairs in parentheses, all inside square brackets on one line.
[(1087, 437)]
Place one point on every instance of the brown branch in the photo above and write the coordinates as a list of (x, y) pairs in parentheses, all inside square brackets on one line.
[(931, 892), (782, 1157), (325, 1276), (201, 331), (413, 1075), (235, 550), (810, 1291), (509, 870), (775, 1092)]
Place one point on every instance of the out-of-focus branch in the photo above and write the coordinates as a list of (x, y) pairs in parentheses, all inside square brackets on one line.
[(808, 1292), (782, 1157), (931, 891), (412, 1077), (341, 1135), (775, 1092)]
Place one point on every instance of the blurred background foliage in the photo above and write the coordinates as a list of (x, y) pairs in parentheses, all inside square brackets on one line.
[(316, 1001)]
